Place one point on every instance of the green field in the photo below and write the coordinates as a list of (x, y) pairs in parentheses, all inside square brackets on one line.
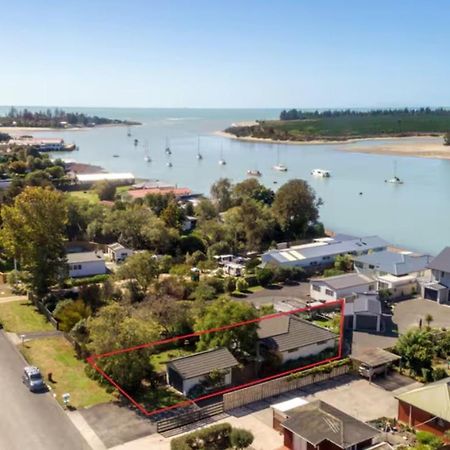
[(348, 126), (56, 355), (22, 317), (91, 195)]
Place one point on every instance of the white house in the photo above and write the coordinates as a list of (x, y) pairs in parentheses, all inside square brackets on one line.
[(89, 179), (234, 269), (291, 338), (188, 371), (363, 312), (322, 252), (85, 264), (340, 286), (438, 289), (118, 253)]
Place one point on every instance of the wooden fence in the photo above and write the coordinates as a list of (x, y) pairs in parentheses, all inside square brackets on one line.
[(267, 389)]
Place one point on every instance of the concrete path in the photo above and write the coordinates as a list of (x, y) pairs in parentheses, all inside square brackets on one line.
[(30, 420)]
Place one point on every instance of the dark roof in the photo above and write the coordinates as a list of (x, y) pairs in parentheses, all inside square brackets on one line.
[(318, 421), (395, 263), (203, 363), (289, 332), (375, 357), (442, 261)]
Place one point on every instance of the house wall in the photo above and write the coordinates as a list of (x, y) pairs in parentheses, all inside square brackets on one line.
[(86, 269), (415, 417), (322, 295), (441, 277), (307, 350), (399, 289), (191, 382)]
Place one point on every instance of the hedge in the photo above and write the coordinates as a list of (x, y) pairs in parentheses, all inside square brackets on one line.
[(215, 437), (324, 368), (72, 282)]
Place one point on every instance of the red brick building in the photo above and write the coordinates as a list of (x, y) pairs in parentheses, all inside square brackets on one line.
[(427, 408)]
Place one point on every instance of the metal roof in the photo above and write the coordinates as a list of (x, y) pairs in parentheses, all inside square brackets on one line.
[(82, 257), (289, 332), (329, 247), (203, 363), (345, 281), (364, 303), (434, 398), (318, 421), (396, 263), (442, 261), (375, 357)]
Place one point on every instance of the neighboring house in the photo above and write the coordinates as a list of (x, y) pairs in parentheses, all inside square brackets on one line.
[(118, 253), (318, 425), (400, 273), (427, 408), (322, 252), (438, 289), (188, 371), (234, 269), (189, 223), (85, 264), (118, 179), (340, 286), (363, 312), (291, 338)]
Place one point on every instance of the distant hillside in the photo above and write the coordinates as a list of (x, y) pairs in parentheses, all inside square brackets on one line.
[(297, 125), (57, 118)]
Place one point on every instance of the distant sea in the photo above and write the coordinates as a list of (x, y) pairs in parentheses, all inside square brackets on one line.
[(413, 215)]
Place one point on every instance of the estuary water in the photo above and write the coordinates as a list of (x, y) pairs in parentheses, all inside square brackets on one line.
[(413, 215)]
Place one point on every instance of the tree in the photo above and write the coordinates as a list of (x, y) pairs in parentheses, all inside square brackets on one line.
[(241, 438), (241, 285), (265, 276), (252, 189), (173, 216), (205, 210), (428, 319), (105, 190), (141, 267), (343, 263), (295, 207), (113, 329), (33, 232), (221, 194), (69, 312), (240, 340)]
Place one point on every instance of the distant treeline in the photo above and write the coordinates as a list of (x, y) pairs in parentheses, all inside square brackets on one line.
[(56, 118), (298, 114)]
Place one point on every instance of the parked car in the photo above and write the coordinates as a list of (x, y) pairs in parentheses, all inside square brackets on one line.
[(369, 372), (32, 378)]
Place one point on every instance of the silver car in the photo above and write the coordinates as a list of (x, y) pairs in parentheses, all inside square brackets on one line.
[(32, 378)]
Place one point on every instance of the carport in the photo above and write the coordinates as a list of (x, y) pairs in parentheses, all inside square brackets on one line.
[(373, 361)]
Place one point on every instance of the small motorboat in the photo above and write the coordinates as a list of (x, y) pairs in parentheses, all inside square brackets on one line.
[(147, 158), (136, 142), (116, 156), (169, 164), (394, 180), (321, 173), (199, 156), (280, 167), (254, 173)]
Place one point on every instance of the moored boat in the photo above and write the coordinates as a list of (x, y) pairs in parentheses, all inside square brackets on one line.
[(321, 173)]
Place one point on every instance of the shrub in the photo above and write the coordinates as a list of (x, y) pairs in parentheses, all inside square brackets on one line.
[(265, 276), (215, 437), (324, 368), (229, 284), (241, 285), (240, 438), (69, 313), (105, 190), (86, 280), (439, 373), (251, 280), (427, 438)]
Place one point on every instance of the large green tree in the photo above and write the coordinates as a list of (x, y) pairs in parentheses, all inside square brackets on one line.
[(240, 340), (251, 188), (221, 193), (416, 349), (295, 207), (33, 232)]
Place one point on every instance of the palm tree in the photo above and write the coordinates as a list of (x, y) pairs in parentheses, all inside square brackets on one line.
[(428, 319)]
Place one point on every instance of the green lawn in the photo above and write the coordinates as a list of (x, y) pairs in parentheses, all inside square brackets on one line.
[(57, 355), (163, 396), (158, 360), (91, 195), (22, 316)]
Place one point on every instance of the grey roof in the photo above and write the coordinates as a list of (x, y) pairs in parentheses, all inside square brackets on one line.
[(203, 363), (289, 332), (375, 357), (442, 261), (395, 263), (363, 303), (82, 257), (116, 246), (325, 247), (318, 421), (345, 281)]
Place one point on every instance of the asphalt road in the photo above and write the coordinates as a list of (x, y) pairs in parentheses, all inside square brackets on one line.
[(28, 420)]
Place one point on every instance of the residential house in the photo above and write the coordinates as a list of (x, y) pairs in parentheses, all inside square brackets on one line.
[(426, 408), (119, 253), (85, 264), (363, 312), (188, 371), (322, 252), (234, 269), (291, 337), (189, 223), (319, 426), (398, 272), (118, 179), (438, 288), (340, 286)]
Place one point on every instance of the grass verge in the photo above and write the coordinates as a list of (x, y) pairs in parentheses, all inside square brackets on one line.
[(22, 317)]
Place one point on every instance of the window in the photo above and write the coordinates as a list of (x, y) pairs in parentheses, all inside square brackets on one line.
[(325, 258), (371, 266), (316, 288), (382, 285), (371, 287), (329, 292)]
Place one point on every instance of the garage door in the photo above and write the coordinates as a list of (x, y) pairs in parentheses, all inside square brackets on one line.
[(366, 323), (430, 294)]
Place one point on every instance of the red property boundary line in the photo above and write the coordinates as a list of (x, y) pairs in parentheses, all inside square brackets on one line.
[(93, 358)]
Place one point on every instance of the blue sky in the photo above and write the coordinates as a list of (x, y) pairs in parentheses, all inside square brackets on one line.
[(225, 53)]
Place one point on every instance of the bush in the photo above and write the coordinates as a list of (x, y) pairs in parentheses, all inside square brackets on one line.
[(324, 368), (427, 438), (439, 374), (265, 276), (215, 437), (86, 280), (240, 438), (241, 285), (191, 244), (105, 190), (251, 280)]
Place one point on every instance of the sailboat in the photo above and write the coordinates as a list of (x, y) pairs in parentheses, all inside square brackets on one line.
[(136, 142), (278, 166), (128, 132), (395, 179), (199, 155), (167, 150), (222, 162), (147, 155), (254, 173)]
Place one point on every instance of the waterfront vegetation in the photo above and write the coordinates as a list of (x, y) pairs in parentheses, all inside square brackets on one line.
[(297, 125)]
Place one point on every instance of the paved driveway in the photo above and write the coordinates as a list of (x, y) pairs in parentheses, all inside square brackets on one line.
[(30, 421)]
